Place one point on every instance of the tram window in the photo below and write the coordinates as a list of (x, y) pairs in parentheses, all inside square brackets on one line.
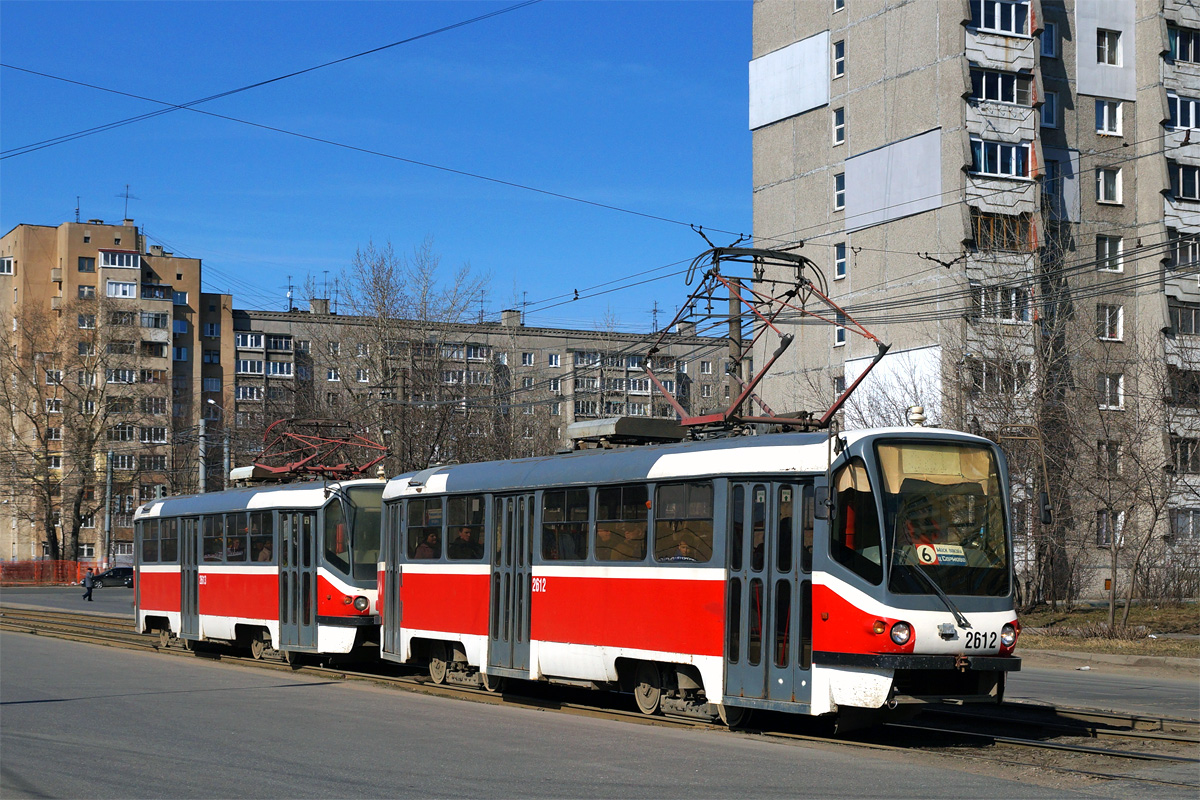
[(855, 539), (783, 622), (621, 516), (425, 529), (261, 536), (808, 510), (783, 552), (758, 521), (337, 542), (683, 522), (168, 538), (365, 505), (236, 533), (733, 645), (754, 643), (148, 531), (465, 523), (214, 538), (737, 527), (564, 525)]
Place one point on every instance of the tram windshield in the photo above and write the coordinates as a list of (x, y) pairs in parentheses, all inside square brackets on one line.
[(944, 516), (362, 509)]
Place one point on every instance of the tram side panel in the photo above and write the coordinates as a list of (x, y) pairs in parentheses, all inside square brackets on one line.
[(445, 603)]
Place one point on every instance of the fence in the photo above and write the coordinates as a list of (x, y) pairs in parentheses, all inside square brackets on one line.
[(41, 572)]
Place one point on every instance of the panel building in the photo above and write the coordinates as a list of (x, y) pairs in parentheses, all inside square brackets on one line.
[(1007, 192)]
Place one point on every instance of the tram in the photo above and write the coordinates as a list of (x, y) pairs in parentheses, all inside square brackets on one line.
[(813, 573), (287, 567)]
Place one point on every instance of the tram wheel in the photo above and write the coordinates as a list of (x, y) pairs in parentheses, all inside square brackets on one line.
[(257, 645), (492, 683), (647, 687), (164, 637), (734, 716), (437, 663)]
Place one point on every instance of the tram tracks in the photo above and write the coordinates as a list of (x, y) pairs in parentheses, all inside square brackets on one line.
[(1059, 740)]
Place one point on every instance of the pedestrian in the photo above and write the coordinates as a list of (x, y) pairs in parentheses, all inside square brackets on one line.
[(89, 582)]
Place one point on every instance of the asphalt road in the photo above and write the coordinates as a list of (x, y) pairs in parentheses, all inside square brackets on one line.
[(82, 720)]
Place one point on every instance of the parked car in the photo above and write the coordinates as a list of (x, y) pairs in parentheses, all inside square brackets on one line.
[(117, 576)]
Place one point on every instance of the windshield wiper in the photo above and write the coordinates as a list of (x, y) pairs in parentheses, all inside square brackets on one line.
[(959, 617)]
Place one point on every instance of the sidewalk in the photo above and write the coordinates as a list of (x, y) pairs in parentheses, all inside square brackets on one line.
[(1172, 666)]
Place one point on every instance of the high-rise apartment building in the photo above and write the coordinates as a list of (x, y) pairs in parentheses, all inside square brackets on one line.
[(101, 335), (1007, 192)]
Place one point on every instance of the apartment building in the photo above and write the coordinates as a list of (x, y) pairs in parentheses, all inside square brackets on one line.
[(1007, 192), (101, 334), (458, 391)]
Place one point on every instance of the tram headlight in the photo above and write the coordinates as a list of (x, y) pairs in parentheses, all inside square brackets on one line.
[(1008, 635), (901, 633), (361, 603)]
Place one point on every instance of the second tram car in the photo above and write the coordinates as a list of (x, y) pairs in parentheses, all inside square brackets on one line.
[(796, 572), (287, 567)]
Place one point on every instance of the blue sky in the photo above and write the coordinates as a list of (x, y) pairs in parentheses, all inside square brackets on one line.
[(640, 105)]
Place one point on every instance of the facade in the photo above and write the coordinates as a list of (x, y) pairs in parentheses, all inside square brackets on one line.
[(1006, 191), (102, 334)]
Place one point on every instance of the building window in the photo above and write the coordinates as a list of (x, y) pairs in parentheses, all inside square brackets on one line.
[(555, 409), (1108, 117), (53, 377), (1001, 87), (335, 348), (280, 369), (1108, 253), (1184, 44), (55, 462), (839, 126), (179, 354), (838, 5), (839, 59), (1184, 250), (6, 265), (54, 405), (87, 321), (1004, 303), (1050, 110), (1185, 523), (212, 356), (210, 384), (1184, 387), (1185, 318), (706, 368), (87, 264), (991, 377), (1186, 455), (1000, 158), (87, 292), (283, 343), (526, 359), (1108, 527), (303, 346), (154, 435), (123, 260), (1110, 388), (839, 191), (152, 463), (332, 375), (246, 366), (1185, 180), (1001, 16), (1108, 47), (86, 349), (839, 261), (1109, 322), (253, 341), (1002, 231), (179, 326), (121, 433), (212, 330), (54, 434), (1108, 185), (248, 393), (1050, 40), (555, 385), (1183, 112), (154, 405), (362, 375), (179, 298), (839, 333), (1108, 458)]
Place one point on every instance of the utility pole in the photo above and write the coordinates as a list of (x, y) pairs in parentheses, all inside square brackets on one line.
[(225, 475), (203, 456), (735, 333), (107, 508)]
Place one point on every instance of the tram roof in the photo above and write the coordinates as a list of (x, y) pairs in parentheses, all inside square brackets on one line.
[(308, 494), (801, 453)]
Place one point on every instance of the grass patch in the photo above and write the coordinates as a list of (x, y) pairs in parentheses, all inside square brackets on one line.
[(1087, 630)]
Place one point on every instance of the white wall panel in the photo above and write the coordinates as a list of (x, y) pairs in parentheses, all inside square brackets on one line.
[(894, 181), (789, 81)]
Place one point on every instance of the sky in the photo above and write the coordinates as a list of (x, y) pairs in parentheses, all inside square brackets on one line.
[(641, 106)]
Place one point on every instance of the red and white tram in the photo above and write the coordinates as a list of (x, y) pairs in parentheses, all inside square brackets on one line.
[(796, 572), (290, 567)]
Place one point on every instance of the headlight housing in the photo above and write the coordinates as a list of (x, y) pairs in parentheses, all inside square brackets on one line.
[(361, 603), (1008, 635), (901, 633)]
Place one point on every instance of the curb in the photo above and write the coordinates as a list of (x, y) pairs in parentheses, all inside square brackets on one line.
[(1069, 659)]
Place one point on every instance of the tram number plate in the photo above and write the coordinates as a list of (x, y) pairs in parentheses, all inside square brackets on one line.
[(539, 584), (203, 580), (981, 640)]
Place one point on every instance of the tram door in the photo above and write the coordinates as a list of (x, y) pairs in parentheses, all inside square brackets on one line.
[(768, 650), (297, 581), (389, 592), (512, 557), (189, 578)]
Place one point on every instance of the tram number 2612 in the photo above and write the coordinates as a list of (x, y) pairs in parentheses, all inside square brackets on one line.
[(981, 640), (539, 584)]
